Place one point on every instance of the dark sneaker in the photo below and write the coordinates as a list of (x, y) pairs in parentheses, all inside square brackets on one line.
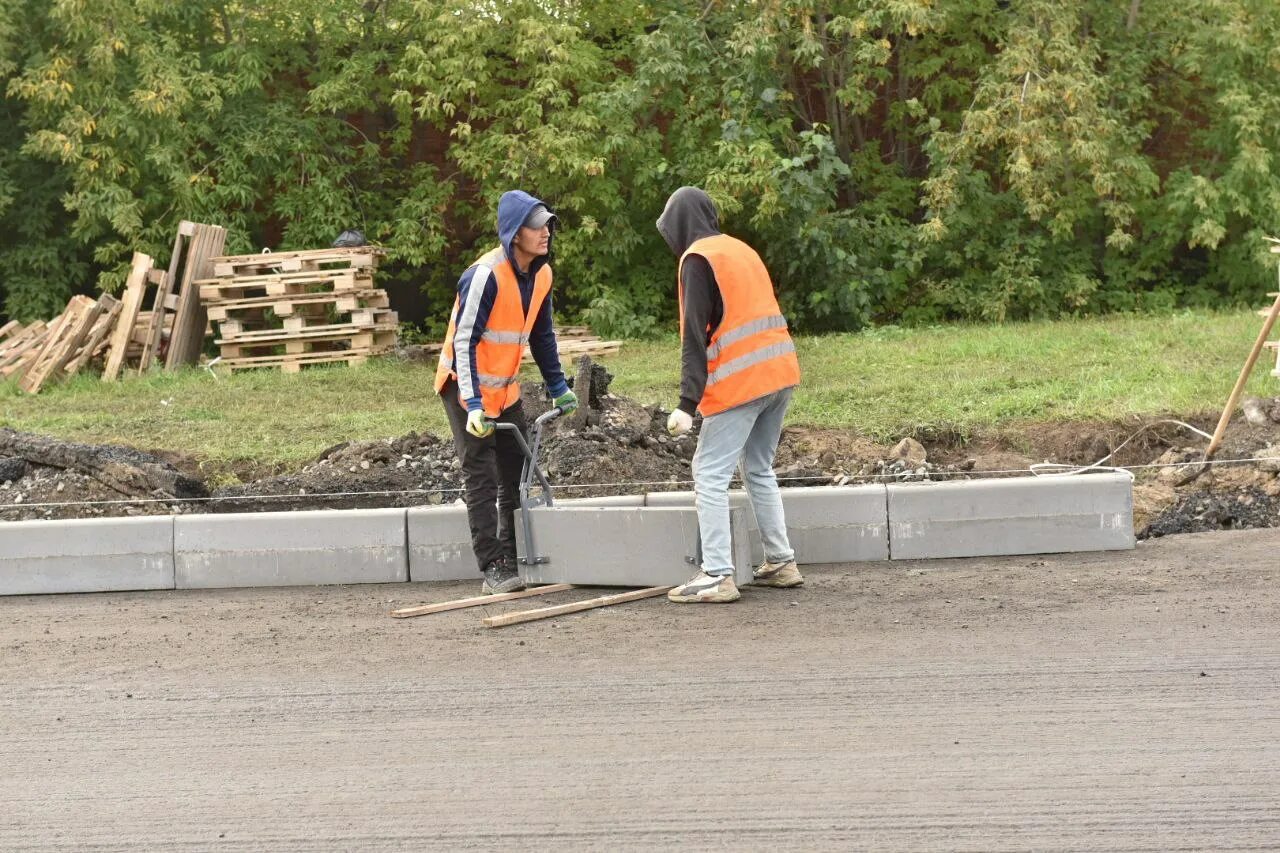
[(706, 589), (783, 575), (501, 576)]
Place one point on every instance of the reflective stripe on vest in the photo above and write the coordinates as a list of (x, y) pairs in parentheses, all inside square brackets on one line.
[(742, 362), (504, 337), (746, 330), (485, 379)]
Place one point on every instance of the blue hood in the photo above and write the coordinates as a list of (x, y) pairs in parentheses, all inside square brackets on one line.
[(513, 208)]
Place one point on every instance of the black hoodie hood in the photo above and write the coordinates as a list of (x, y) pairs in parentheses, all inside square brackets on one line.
[(689, 216)]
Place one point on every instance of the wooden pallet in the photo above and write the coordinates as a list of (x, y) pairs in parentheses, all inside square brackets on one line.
[(343, 301), (295, 363), (320, 339), (284, 284), (189, 322), (309, 259), (572, 349), (62, 343), (96, 341), (1274, 345), (237, 329)]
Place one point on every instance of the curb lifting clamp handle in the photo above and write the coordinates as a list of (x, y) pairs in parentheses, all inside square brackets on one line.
[(527, 474)]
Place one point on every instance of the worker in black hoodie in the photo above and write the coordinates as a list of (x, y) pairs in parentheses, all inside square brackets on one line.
[(738, 368)]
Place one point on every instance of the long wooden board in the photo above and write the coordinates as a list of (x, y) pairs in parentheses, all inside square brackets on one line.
[(135, 288), (561, 609), (477, 601)]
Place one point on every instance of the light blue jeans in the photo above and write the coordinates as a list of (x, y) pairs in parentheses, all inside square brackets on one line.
[(746, 437)]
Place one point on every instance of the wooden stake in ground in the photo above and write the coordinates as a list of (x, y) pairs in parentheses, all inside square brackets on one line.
[(477, 601), (1234, 397), (561, 609)]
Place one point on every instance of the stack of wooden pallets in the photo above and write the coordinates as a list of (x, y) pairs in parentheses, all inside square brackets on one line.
[(290, 309)]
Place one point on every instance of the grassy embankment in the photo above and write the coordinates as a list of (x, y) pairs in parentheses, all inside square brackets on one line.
[(884, 383)]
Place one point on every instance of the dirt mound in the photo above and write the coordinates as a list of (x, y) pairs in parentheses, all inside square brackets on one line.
[(615, 446)]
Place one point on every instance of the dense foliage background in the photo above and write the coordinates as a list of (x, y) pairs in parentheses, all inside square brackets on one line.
[(895, 160)]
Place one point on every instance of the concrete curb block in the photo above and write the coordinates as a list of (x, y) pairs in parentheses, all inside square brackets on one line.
[(440, 544), (86, 555), (290, 548), (825, 524), (1025, 515), (602, 536), (622, 546)]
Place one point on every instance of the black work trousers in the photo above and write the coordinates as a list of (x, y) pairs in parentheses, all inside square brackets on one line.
[(491, 474)]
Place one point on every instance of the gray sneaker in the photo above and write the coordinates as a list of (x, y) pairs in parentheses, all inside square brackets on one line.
[(501, 576), (703, 588), (783, 575)]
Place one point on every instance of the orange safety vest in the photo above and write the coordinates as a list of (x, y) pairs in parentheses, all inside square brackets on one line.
[(502, 344), (750, 353)]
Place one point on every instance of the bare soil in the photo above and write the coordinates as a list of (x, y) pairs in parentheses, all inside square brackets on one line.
[(619, 447)]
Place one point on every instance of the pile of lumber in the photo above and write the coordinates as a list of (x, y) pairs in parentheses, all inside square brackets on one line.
[(290, 309), (116, 330)]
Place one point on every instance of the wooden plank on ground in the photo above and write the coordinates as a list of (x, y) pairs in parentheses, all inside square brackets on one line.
[(561, 609), (190, 319), (283, 306), (135, 288), (478, 601)]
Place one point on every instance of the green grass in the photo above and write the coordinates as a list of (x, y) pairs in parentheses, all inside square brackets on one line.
[(883, 383)]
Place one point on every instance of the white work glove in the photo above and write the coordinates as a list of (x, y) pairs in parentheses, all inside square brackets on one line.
[(478, 425), (679, 422)]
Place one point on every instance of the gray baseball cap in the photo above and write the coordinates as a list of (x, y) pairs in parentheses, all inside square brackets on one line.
[(538, 217)]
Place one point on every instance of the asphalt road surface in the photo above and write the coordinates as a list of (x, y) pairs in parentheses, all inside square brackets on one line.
[(1122, 701)]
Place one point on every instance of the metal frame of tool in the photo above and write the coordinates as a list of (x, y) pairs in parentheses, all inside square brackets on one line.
[(527, 473)]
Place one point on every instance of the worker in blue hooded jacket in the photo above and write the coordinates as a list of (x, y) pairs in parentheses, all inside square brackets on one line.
[(503, 305)]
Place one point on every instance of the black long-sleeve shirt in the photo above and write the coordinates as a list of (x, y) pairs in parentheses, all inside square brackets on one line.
[(703, 311)]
